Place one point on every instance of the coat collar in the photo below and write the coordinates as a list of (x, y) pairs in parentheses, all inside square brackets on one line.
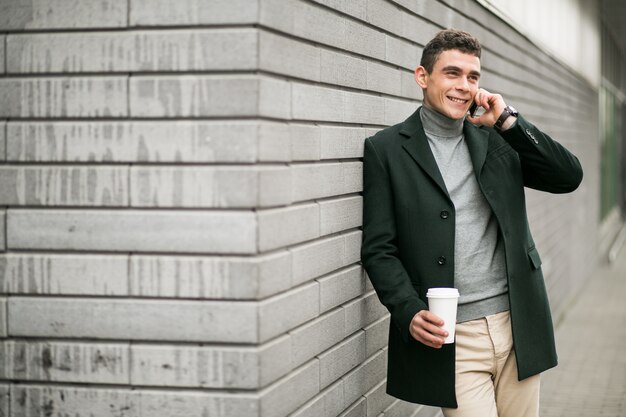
[(416, 144)]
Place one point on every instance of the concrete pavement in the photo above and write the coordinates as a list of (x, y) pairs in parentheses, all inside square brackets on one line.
[(590, 380)]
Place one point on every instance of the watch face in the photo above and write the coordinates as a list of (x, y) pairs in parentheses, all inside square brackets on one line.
[(512, 110)]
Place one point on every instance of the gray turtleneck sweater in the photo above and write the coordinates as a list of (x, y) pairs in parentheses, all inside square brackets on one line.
[(479, 264)]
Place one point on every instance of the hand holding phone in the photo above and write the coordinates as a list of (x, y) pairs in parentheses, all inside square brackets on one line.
[(474, 108)]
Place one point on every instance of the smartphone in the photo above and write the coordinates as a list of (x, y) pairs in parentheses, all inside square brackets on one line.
[(474, 108)]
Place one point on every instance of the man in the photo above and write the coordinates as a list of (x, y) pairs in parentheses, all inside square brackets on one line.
[(444, 206)]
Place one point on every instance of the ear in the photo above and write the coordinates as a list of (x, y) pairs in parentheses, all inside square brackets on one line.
[(421, 76)]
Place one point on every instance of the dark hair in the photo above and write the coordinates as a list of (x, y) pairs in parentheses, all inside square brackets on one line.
[(445, 40)]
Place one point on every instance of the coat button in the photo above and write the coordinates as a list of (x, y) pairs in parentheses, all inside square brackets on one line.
[(444, 214), (441, 260)]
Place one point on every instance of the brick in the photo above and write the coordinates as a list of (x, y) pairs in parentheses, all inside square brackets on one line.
[(193, 321), (196, 50), (3, 141), (58, 14), (210, 277), (385, 15), (69, 52), (193, 12), (210, 367), (364, 40), (353, 247), (340, 214), (402, 53), (287, 226), (341, 286), (365, 376), (362, 312), (286, 56), (65, 361), (166, 50), (2, 54), (417, 29), (311, 102), (342, 69), (3, 230), (274, 142), (291, 392), (204, 95), (358, 409), (376, 335), (63, 97), (313, 22), (312, 181), (401, 408), (316, 336), (317, 258), (161, 231), (384, 79), (275, 360), (329, 403), (377, 400), (3, 317), (355, 8), (34, 400), (362, 108), (5, 400), (341, 358), (326, 104), (219, 187), (342, 142), (286, 311), (35, 273), (408, 86), (305, 142), (64, 186), (197, 141), (397, 111)]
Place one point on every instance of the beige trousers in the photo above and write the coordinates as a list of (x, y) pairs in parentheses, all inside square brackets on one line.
[(486, 372)]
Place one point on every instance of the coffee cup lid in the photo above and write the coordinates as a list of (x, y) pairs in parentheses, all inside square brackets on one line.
[(442, 292)]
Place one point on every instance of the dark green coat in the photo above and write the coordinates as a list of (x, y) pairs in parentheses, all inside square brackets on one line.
[(408, 242)]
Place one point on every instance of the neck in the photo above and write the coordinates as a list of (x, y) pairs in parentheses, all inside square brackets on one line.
[(439, 125)]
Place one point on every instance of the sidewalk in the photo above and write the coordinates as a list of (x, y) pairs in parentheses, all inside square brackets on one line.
[(590, 380)]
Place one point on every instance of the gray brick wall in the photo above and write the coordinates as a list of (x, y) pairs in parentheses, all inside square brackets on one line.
[(180, 198)]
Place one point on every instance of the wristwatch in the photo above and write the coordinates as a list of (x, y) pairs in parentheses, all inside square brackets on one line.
[(508, 111)]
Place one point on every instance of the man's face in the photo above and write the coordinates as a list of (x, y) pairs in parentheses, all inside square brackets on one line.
[(451, 86)]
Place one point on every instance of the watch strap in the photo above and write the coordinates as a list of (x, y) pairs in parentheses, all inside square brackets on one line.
[(508, 111)]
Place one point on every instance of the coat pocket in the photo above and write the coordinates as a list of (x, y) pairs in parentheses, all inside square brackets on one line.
[(533, 255)]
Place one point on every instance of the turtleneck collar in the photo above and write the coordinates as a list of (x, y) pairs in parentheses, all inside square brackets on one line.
[(439, 125)]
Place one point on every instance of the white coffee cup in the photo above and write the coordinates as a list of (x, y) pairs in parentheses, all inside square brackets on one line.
[(443, 302)]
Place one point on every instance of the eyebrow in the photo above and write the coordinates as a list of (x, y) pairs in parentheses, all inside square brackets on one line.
[(455, 68)]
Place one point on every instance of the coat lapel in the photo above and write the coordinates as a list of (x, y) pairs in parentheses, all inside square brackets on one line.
[(417, 147), (477, 143)]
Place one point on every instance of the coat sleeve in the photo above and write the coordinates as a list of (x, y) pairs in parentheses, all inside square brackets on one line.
[(379, 250), (546, 164)]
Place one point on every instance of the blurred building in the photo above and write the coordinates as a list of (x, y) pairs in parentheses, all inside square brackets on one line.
[(180, 188)]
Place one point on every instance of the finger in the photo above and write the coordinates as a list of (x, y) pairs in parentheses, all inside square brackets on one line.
[(427, 329), (483, 98), (473, 120), (431, 317), (429, 339)]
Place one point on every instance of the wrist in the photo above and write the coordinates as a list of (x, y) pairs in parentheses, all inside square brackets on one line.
[(506, 119), (510, 121)]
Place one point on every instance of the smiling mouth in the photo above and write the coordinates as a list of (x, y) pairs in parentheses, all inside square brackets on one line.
[(457, 100)]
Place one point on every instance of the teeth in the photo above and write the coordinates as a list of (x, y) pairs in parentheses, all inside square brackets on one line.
[(458, 100)]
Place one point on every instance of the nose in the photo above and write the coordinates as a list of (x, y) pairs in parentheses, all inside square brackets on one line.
[(463, 84)]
